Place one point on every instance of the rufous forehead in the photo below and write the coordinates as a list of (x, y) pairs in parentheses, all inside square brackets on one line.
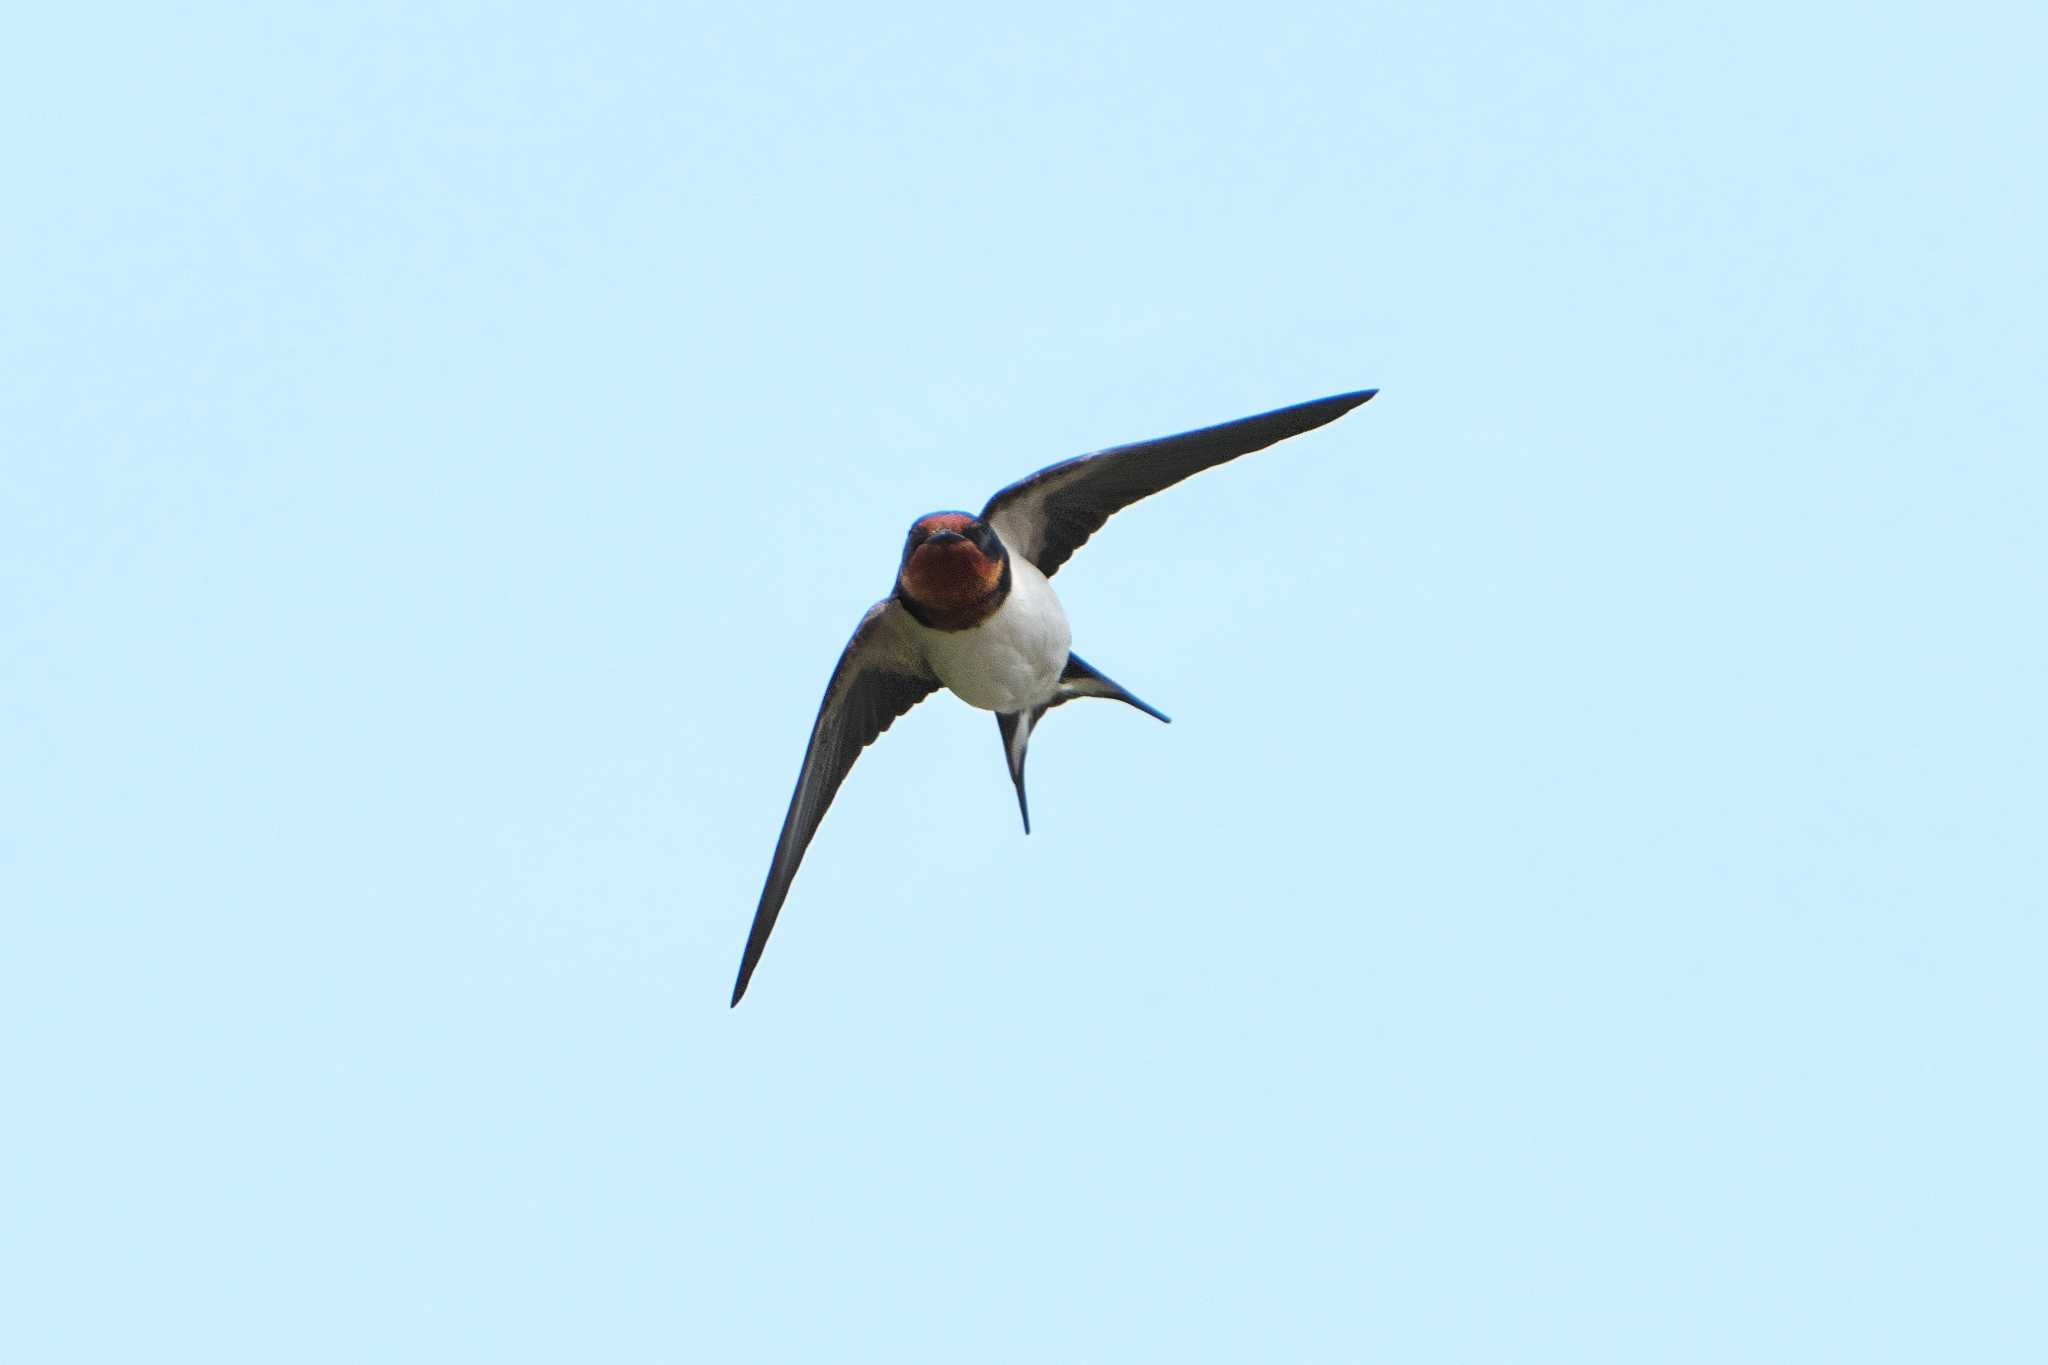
[(945, 521)]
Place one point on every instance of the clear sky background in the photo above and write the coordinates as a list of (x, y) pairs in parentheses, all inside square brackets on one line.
[(1589, 905)]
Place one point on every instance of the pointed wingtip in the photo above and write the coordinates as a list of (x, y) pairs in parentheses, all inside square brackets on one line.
[(1322, 411)]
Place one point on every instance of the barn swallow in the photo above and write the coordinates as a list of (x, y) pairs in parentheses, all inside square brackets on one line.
[(973, 611)]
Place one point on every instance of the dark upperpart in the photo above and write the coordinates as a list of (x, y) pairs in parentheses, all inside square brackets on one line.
[(955, 571)]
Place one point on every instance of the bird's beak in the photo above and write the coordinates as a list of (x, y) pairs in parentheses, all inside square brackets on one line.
[(944, 538)]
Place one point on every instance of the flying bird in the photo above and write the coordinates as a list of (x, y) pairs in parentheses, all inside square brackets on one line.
[(973, 611)]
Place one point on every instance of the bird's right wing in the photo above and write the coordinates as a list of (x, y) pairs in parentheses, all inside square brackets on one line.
[(881, 675)]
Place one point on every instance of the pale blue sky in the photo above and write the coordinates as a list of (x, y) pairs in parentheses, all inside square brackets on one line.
[(1589, 906)]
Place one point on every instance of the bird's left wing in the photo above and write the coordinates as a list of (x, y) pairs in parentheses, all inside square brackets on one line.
[(1049, 515), (881, 675)]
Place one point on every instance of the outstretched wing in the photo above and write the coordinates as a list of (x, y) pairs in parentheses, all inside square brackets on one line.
[(1051, 514), (881, 675)]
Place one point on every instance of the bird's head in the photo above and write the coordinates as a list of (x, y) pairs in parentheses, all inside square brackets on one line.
[(953, 564)]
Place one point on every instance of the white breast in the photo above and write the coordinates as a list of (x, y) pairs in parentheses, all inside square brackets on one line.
[(1013, 660)]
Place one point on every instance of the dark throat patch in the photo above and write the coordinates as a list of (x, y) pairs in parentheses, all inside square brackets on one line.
[(954, 586)]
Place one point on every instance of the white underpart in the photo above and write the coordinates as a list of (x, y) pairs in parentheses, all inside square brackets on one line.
[(1013, 660)]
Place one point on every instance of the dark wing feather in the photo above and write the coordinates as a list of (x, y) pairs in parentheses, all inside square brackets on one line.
[(881, 675), (1051, 514)]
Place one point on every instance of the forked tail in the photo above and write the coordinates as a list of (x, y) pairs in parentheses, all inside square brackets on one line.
[(1079, 679)]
